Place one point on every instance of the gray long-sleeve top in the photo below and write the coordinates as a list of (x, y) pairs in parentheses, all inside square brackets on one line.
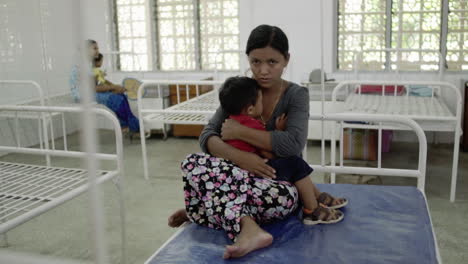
[(295, 103)]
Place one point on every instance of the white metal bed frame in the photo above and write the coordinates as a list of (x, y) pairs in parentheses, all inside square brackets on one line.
[(430, 112), (45, 120), (27, 191), (194, 111)]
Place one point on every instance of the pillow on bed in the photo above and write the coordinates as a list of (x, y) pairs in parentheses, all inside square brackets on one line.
[(377, 89), (420, 90)]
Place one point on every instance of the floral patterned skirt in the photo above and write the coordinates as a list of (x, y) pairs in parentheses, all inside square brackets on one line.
[(218, 194)]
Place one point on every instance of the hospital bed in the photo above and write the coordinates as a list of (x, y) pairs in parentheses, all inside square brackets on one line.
[(422, 101), (193, 111), (44, 120), (28, 190), (382, 224)]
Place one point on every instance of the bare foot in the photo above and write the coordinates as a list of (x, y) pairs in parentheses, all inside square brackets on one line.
[(177, 218), (251, 238)]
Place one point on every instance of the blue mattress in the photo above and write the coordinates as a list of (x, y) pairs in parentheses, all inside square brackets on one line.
[(382, 224)]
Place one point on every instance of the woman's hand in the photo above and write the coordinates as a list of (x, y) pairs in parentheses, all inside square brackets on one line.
[(230, 129), (117, 89), (255, 164), (281, 122)]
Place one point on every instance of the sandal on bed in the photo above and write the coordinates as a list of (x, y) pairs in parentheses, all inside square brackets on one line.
[(322, 215), (327, 200)]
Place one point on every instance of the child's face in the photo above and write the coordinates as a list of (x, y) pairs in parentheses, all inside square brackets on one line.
[(98, 63), (257, 109)]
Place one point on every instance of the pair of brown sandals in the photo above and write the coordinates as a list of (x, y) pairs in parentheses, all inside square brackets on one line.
[(327, 212)]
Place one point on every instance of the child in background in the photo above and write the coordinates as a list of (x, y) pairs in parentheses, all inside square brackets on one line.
[(241, 98), (99, 74)]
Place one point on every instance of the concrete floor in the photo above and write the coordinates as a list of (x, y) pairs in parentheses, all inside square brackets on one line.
[(64, 231)]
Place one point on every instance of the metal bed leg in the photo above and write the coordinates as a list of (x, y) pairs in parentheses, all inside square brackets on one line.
[(4, 235), (64, 133), (119, 187), (164, 131), (143, 149), (333, 152), (456, 152), (5, 240), (45, 134)]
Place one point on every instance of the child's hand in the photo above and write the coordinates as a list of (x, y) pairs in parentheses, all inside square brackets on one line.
[(281, 122)]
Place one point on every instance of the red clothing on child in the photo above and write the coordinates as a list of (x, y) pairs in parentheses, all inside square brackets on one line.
[(247, 121)]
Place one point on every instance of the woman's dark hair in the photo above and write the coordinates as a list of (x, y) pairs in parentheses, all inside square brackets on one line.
[(238, 93), (91, 42), (268, 36)]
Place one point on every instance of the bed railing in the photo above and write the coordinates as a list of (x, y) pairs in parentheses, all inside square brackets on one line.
[(42, 131), (118, 156), (419, 173)]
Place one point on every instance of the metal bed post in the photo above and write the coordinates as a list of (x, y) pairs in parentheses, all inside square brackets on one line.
[(142, 128), (456, 152)]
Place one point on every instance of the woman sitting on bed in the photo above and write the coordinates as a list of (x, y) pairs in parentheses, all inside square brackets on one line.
[(113, 96), (219, 190)]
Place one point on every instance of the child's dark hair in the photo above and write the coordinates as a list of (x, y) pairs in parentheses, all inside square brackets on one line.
[(238, 93), (268, 36), (98, 58)]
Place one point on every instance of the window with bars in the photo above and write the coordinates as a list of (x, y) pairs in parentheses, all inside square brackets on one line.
[(133, 35), (219, 34), (402, 35), (188, 35), (457, 37)]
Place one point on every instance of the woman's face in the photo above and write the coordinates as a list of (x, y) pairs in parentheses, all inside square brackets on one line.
[(267, 65), (93, 50)]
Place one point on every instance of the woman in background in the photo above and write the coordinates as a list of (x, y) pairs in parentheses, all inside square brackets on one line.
[(109, 94)]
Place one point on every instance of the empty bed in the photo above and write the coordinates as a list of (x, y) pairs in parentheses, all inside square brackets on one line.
[(435, 106)]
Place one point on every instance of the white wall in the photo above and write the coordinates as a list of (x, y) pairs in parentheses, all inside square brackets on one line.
[(37, 42)]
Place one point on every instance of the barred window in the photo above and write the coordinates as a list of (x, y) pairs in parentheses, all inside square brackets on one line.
[(176, 34), (457, 37), (416, 29), (219, 34), (188, 35), (134, 38), (361, 34), (401, 35)]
